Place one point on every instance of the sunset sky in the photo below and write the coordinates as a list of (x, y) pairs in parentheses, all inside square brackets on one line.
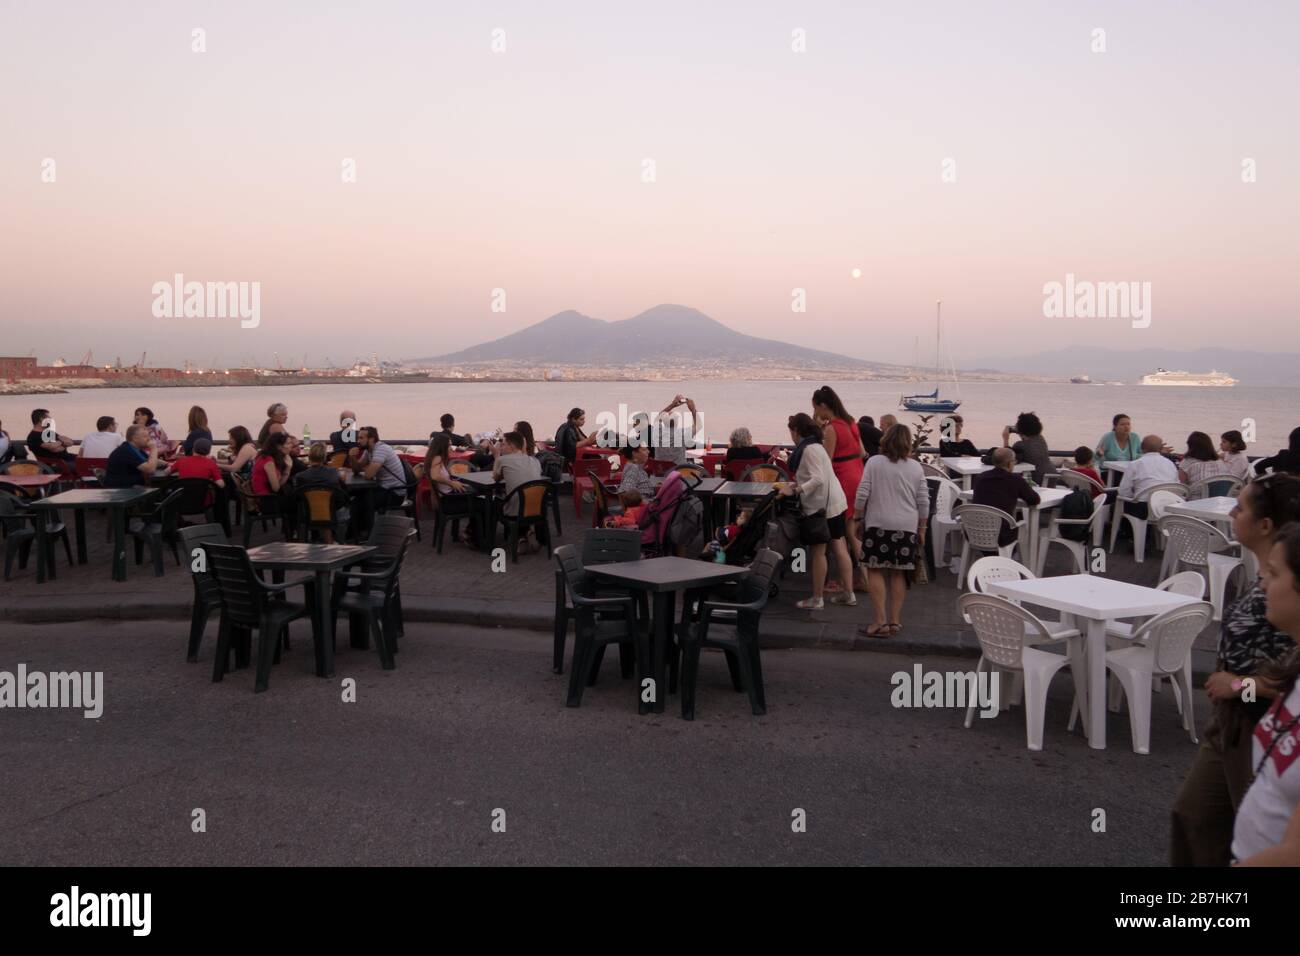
[(523, 170)]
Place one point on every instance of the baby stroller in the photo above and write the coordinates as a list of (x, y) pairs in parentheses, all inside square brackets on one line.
[(753, 535)]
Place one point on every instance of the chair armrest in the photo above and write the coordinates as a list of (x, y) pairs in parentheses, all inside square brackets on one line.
[(286, 585), (582, 601)]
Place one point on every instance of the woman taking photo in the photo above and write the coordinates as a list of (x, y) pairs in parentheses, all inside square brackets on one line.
[(1267, 831), (821, 512), (843, 443), (893, 507), (1248, 644)]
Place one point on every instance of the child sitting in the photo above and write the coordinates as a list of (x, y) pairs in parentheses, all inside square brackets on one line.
[(1083, 464), (727, 534), (633, 507)]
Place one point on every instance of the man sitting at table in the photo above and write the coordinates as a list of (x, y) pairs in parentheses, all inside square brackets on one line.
[(514, 466), (133, 461), (318, 476), (1150, 470), (103, 441), (54, 451), (380, 463), (1002, 488), (448, 425)]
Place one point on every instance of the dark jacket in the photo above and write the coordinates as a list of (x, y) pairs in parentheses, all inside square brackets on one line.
[(1003, 489), (457, 441), (1285, 460), (871, 436), (566, 441), (955, 449)]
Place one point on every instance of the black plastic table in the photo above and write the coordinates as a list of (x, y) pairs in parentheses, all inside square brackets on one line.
[(662, 578), (322, 560), (115, 500)]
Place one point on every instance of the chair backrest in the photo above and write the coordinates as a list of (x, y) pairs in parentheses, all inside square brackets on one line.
[(242, 596), (608, 545), (992, 569), (1172, 633), (691, 468), (21, 469), (765, 471), (1175, 488), (388, 532), (711, 462), (1159, 501), (337, 459), (932, 470), (946, 494), (1077, 479), (602, 502), (657, 467), (1003, 628), (570, 565), (319, 504), (12, 511), (85, 467), (194, 495), (531, 497), (1218, 486), (1186, 583), (1192, 538), (981, 524), (193, 539), (459, 466), (756, 586)]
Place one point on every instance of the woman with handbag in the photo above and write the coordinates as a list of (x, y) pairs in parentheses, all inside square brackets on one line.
[(822, 507), (893, 505)]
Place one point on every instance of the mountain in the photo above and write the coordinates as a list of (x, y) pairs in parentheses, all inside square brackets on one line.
[(1112, 365), (664, 335)]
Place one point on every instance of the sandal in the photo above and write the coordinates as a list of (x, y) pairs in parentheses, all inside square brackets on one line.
[(847, 598), (893, 629), (874, 630), (810, 604)]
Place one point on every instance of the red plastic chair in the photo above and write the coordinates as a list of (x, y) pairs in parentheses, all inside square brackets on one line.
[(711, 462), (85, 468), (658, 467), (586, 471)]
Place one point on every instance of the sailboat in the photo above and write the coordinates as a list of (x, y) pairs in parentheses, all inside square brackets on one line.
[(931, 402)]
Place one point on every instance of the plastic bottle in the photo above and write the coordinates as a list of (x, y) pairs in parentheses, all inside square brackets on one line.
[(306, 434)]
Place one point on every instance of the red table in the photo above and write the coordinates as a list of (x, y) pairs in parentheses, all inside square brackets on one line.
[(30, 481)]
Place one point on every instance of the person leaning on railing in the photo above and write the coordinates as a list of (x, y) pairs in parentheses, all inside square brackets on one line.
[(1203, 811)]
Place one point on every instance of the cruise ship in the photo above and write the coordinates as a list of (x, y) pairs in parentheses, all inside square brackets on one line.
[(1162, 376)]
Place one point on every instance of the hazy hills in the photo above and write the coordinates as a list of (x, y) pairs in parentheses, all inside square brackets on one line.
[(664, 335)]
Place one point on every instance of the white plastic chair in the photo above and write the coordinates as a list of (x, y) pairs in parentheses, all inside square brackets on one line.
[(1070, 478), (942, 523), (1007, 633), (1120, 633), (1201, 545), (1078, 549), (1162, 646), (1218, 486), (1175, 489), (933, 471), (980, 528)]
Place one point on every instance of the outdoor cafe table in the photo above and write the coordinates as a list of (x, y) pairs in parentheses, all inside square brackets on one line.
[(1094, 601), (37, 482), (968, 467), (115, 500), (662, 578), (1213, 510), (1115, 470), (322, 560)]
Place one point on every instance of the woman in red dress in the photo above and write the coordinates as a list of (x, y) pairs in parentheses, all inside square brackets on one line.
[(843, 442)]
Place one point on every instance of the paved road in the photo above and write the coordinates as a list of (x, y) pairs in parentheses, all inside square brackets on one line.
[(473, 721)]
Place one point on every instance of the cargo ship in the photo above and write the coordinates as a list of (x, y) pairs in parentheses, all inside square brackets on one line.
[(1163, 376), (1080, 380)]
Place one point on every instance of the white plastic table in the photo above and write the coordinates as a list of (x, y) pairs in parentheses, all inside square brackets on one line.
[(968, 467), (1115, 470), (1093, 600), (1213, 510)]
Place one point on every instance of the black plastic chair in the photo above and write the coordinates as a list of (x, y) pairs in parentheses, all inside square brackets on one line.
[(318, 511), (264, 508), (599, 546), (599, 622), (247, 605), (20, 532), (605, 504), (409, 506), (449, 510), (207, 595), (373, 604), (530, 512), (388, 535), (741, 645), (194, 500), (158, 527)]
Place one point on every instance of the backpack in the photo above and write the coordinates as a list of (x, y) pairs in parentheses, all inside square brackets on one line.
[(686, 530), (1076, 505)]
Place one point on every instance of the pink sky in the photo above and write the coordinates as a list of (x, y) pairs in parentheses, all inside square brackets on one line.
[(522, 170)]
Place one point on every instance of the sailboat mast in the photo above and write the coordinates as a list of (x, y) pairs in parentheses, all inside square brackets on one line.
[(938, 325)]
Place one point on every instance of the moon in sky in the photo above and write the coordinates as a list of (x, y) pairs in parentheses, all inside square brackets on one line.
[(857, 273)]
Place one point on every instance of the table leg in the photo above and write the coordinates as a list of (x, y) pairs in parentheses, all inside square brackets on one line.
[(79, 523), (663, 623), (965, 482), (41, 542), (325, 641), (1033, 540), (1095, 706), (119, 544)]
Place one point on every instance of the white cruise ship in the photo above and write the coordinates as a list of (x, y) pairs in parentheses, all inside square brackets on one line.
[(1162, 376)]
